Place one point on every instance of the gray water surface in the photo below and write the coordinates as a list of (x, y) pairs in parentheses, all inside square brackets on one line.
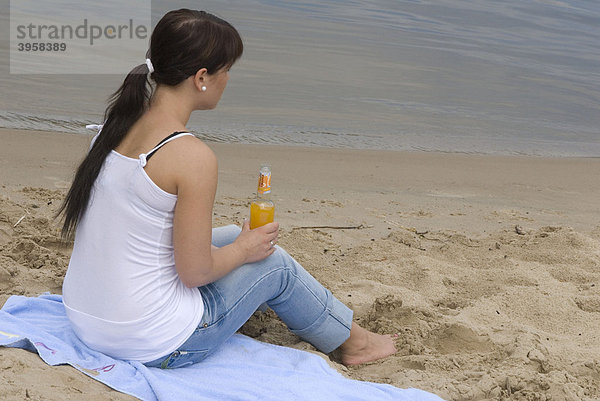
[(509, 77)]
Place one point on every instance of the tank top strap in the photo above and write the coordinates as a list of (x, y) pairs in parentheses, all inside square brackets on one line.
[(144, 157)]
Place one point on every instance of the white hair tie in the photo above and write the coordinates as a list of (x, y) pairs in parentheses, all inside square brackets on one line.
[(150, 66)]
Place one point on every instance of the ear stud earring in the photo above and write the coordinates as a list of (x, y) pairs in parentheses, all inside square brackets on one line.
[(203, 89)]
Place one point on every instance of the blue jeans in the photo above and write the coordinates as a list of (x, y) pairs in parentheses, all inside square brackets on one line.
[(307, 308)]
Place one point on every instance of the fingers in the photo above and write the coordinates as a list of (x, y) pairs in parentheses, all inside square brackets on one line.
[(270, 228), (258, 243), (273, 235), (267, 228), (261, 239)]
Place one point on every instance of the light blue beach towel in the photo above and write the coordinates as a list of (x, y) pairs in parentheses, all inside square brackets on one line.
[(243, 368)]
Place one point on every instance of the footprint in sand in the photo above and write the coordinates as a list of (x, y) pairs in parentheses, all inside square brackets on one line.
[(459, 339)]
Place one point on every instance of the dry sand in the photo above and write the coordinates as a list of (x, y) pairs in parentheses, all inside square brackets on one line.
[(488, 267)]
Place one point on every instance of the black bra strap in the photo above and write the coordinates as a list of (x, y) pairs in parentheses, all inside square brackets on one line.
[(158, 145)]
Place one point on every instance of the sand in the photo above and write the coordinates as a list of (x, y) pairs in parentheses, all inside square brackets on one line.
[(487, 266)]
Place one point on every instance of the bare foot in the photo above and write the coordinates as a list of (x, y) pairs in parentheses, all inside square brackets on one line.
[(364, 346)]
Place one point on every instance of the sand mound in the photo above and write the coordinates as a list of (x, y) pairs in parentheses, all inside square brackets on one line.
[(32, 257)]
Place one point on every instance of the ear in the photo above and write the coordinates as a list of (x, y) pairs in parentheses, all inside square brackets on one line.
[(200, 78)]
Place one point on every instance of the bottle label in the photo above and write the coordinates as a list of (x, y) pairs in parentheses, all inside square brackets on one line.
[(264, 183)]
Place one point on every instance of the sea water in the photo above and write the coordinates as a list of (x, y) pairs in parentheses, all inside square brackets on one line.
[(477, 76)]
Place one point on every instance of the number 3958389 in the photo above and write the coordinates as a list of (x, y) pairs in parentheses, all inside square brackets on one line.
[(41, 46)]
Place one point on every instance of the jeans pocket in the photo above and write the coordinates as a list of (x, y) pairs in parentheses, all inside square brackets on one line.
[(181, 358)]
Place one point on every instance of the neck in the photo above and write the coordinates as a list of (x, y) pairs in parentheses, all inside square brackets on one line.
[(170, 105)]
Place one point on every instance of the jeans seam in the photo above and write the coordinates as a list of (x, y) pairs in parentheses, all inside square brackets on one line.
[(339, 319), (200, 328), (173, 356), (246, 292), (338, 316), (312, 292)]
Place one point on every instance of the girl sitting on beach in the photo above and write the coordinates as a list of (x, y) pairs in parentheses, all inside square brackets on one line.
[(149, 279)]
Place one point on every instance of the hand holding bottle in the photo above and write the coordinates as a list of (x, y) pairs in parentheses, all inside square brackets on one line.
[(259, 243), (259, 234)]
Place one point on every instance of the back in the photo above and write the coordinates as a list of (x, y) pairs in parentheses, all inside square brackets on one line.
[(122, 292)]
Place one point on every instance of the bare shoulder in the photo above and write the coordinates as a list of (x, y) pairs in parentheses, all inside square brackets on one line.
[(192, 152), (192, 162)]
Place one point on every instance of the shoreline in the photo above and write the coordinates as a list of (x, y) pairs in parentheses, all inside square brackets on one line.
[(488, 266), (515, 154)]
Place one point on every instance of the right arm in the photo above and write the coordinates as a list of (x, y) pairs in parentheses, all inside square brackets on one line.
[(196, 260)]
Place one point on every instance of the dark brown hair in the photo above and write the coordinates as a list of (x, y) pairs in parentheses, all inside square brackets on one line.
[(183, 42)]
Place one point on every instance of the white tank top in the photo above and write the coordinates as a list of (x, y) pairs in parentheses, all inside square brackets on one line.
[(121, 292)]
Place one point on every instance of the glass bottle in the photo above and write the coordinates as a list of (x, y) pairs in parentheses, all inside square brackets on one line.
[(262, 209)]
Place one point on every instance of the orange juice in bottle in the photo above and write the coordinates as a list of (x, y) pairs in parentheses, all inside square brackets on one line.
[(262, 209)]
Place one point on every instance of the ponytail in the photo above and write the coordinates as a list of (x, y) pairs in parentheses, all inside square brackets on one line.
[(126, 106)]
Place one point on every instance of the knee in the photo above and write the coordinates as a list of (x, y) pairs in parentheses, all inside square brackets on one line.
[(232, 229), (225, 235), (284, 260)]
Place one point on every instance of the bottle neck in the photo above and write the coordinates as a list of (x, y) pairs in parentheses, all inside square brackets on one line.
[(263, 196), (264, 183)]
